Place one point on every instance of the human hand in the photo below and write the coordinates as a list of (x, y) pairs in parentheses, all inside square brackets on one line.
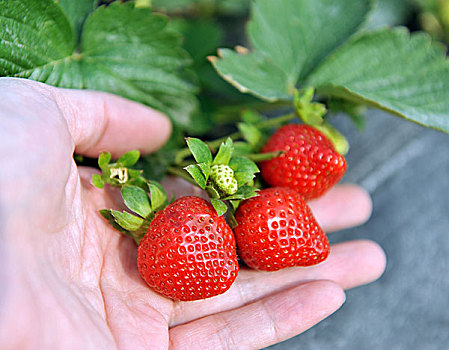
[(70, 281)]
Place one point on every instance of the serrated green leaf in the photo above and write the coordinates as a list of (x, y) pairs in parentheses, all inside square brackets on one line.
[(107, 214), (158, 196), (129, 159), (243, 164), (225, 7), (390, 69), (390, 13), (77, 11), (123, 50), (127, 221), (200, 150), (134, 173), (205, 168), (224, 153), (201, 37), (33, 33), (289, 39), (235, 203), (219, 206), (173, 5), (243, 192), (97, 181), (252, 73), (244, 178), (244, 170), (197, 175), (136, 199), (104, 159), (252, 134), (143, 3), (212, 192)]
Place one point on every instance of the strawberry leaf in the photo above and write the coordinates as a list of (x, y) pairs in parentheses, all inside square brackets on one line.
[(127, 221), (243, 192), (244, 178), (97, 181), (289, 39), (104, 160), (200, 150), (158, 195), (205, 168), (77, 11), (235, 203), (243, 164), (107, 214), (219, 206), (244, 170), (197, 175), (225, 7), (224, 153), (129, 158), (136, 199), (392, 70), (212, 192), (123, 50)]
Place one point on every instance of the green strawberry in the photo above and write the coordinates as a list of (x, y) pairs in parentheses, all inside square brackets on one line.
[(223, 177)]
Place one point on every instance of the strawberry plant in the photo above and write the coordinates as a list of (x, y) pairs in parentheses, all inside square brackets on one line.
[(303, 62)]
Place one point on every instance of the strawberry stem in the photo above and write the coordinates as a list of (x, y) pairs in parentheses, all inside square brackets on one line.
[(258, 157)]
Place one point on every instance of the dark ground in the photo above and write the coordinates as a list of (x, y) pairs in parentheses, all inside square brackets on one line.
[(405, 167)]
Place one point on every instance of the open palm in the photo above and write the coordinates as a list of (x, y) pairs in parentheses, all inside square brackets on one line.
[(70, 281)]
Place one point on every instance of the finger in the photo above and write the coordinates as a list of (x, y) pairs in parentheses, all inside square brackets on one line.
[(100, 122), (350, 264), (342, 207), (264, 322)]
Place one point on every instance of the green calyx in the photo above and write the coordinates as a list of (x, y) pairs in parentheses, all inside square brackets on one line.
[(312, 113), (223, 177), (340, 143), (226, 178), (135, 190)]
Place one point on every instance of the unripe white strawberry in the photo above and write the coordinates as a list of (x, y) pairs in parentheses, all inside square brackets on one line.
[(223, 177)]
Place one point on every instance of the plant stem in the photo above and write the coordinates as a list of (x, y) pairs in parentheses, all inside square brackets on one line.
[(213, 145), (258, 157), (181, 173)]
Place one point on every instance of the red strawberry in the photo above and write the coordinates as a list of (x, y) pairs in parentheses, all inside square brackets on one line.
[(188, 252), (277, 230), (310, 164)]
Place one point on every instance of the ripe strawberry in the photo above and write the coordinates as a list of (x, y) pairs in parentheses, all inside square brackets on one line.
[(310, 164), (277, 230), (188, 252), (223, 176)]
